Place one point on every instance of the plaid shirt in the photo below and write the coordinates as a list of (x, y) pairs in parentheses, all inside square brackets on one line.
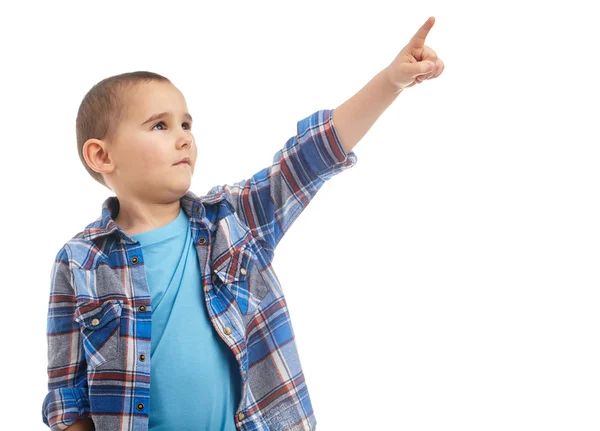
[(99, 312)]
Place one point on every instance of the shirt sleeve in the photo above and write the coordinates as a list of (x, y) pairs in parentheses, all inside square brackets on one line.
[(67, 398), (273, 198)]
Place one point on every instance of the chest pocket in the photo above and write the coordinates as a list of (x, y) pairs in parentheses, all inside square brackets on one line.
[(240, 276), (99, 325)]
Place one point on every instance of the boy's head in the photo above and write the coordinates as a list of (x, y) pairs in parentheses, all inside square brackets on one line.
[(126, 148)]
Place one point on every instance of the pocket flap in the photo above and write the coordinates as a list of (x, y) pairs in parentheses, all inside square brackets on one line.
[(96, 315), (237, 266)]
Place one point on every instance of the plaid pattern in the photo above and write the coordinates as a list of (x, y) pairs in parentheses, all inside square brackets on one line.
[(99, 313)]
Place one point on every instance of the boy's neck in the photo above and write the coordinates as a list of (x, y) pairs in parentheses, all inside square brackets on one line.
[(138, 218)]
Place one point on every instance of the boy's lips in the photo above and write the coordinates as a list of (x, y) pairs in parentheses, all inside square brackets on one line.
[(185, 160)]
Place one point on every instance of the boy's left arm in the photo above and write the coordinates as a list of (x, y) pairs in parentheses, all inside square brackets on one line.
[(272, 199), (413, 65)]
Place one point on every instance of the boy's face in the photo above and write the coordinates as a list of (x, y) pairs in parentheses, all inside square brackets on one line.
[(145, 152)]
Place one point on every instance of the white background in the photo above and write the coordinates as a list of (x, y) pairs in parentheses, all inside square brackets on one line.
[(449, 280)]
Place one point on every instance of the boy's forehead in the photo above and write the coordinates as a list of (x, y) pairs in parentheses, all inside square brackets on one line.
[(152, 98)]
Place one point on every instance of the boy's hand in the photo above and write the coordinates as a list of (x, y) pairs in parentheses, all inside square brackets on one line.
[(416, 62), (85, 424)]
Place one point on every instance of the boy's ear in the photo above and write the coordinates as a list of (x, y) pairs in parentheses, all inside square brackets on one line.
[(96, 156)]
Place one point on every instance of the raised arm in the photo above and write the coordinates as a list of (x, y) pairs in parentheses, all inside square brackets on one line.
[(415, 63), (273, 198)]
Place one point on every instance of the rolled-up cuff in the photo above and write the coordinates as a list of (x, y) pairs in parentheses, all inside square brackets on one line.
[(322, 148), (63, 406)]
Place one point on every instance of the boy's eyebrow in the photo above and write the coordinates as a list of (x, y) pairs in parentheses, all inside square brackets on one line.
[(162, 114)]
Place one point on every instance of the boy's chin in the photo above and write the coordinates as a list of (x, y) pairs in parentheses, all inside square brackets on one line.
[(183, 185)]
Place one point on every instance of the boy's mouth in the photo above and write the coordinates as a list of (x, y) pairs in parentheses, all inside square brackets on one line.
[(185, 161)]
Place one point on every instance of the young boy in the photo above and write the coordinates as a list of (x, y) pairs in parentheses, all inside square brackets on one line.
[(165, 313)]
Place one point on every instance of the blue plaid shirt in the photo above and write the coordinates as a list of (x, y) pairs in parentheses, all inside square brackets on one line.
[(99, 312)]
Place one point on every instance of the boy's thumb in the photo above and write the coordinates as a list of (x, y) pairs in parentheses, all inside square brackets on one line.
[(422, 67)]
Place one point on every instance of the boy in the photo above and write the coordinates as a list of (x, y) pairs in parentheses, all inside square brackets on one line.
[(181, 284)]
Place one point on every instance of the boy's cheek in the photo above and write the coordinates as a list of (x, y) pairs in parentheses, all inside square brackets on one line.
[(146, 161)]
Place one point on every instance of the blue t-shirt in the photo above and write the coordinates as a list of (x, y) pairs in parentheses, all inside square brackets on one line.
[(195, 382)]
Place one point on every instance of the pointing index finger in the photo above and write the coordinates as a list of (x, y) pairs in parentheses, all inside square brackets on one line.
[(418, 40)]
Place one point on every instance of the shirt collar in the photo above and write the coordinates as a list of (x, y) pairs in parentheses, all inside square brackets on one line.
[(191, 204)]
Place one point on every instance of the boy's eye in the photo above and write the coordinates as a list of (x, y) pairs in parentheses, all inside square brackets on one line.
[(159, 123), (163, 123)]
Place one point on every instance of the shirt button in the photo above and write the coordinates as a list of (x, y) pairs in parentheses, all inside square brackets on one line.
[(142, 308), (95, 322), (202, 241), (134, 260), (206, 287), (243, 271), (142, 358), (227, 330), (241, 416), (244, 373), (140, 406)]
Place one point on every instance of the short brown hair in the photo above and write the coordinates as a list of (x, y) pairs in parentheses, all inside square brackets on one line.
[(103, 108)]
